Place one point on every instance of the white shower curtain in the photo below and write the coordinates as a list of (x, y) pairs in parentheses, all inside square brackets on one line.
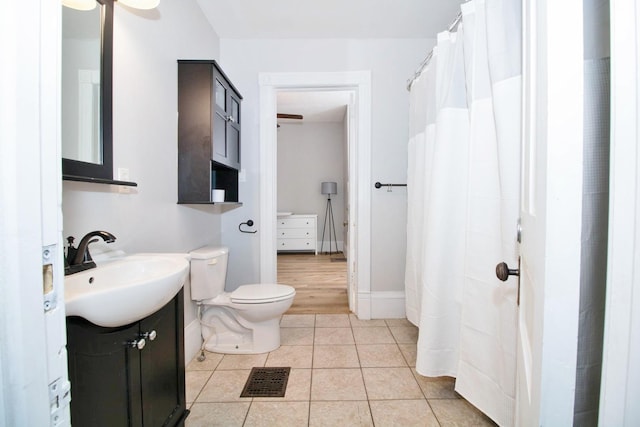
[(463, 206)]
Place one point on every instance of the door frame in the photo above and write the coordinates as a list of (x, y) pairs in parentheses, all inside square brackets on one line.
[(359, 265), (621, 349)]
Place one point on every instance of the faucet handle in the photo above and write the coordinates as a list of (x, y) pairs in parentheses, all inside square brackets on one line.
[(71, 252)]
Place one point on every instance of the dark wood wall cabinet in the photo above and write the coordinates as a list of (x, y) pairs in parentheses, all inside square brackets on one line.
[(118, 381), (209, 118)]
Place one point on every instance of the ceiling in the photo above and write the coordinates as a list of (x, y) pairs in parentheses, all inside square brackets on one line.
[(247, 19), (314, 106), (359, 19)]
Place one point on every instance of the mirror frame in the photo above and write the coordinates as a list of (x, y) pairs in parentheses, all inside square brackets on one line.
[(76, 170)]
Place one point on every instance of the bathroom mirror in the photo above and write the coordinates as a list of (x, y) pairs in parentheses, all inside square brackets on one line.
[(87, 56)]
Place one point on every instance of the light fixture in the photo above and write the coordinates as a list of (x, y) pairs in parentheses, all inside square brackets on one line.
[(140, 4), (329, 188), (80, 4)]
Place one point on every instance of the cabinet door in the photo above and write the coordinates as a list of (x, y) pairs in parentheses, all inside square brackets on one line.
[(233, 130), (219, 119), (162, 366), (226, 123), (104, 374)]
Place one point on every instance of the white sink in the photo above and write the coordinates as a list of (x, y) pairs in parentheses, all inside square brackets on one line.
[(123, 291)]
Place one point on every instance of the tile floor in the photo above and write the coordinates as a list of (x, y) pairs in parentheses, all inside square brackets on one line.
[(344, 372)]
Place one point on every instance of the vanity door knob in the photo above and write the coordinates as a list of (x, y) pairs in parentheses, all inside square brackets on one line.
[(149, 335), (139, 344)]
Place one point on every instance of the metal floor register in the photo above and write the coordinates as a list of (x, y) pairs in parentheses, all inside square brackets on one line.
[(266, 382)]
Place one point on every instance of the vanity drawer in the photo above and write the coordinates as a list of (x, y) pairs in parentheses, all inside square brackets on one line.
[(296, 244)]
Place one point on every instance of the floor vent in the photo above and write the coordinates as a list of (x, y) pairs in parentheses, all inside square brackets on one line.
[(266, 382)]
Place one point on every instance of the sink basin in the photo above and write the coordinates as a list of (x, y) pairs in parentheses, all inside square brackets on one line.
[(128, 289)]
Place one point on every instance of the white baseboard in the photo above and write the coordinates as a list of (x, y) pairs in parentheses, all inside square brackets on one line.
[(192, 340), (381, 305), (364, 306)]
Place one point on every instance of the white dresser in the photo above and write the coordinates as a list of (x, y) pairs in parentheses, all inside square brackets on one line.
[(298, 233)]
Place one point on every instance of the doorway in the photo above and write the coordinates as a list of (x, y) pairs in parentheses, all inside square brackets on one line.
[(359, 159), (312, 196)]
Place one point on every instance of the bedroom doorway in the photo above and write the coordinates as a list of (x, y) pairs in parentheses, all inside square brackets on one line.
[(359, 159), (312, 189)]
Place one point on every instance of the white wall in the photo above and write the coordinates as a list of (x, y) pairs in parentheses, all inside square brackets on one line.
[(309, 154), (391, 62), (147, 219)]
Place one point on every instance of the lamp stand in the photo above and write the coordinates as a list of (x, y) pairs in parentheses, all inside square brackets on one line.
[(328, 217)]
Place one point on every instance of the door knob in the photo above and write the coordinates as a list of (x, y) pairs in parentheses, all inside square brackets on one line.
[(503, 271)]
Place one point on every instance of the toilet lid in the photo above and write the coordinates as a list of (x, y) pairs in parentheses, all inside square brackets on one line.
[(257, 294)]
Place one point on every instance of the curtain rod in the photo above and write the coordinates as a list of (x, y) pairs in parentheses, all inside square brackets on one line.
[(426, 60)]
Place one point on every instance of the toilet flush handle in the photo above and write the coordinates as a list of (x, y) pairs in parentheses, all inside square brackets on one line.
[(214, 261)]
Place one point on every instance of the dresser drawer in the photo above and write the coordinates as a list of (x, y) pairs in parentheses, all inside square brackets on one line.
[(295, 233), (296, 222), (296, 244)]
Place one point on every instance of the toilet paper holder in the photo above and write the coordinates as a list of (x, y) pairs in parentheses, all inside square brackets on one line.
[(249, 223)]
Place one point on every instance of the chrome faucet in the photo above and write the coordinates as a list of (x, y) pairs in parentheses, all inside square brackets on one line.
[(80, 259)]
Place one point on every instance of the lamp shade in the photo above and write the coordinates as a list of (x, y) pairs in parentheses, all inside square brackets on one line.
[(80, 4), (141, 4), (329, 188)]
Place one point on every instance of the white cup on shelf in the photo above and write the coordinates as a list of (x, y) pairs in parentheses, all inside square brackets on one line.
[(217, 196)]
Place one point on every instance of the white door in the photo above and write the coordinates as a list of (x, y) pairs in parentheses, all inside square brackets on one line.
[(550, 212), (34, 386)]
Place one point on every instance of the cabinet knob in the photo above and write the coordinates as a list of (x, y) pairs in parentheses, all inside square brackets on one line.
[(149, 335), (139, 344)]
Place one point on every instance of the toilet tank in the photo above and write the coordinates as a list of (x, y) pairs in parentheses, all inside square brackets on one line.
[(208, 272)]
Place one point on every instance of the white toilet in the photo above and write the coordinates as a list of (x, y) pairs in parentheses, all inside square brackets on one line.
[(245, 321)]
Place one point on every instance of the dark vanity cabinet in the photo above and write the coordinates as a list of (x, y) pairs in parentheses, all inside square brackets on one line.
[(117, 381), (209, 118)]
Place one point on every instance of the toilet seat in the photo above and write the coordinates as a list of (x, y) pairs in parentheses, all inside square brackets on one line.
[(261, 293)]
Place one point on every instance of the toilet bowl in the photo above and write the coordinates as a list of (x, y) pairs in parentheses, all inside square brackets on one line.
[(245, 321)]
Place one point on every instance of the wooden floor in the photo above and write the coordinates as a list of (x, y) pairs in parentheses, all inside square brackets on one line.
[(321, 284)]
